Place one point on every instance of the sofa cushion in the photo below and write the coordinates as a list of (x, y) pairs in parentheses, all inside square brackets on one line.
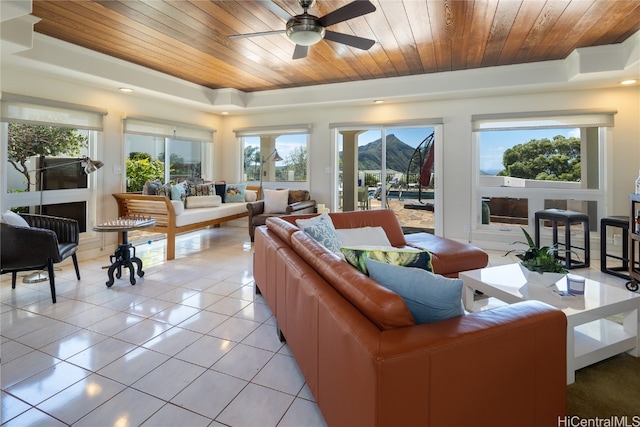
[(276, 201), (430, 297), (408, 257), (234, 193), (371, 236), (178, 206)]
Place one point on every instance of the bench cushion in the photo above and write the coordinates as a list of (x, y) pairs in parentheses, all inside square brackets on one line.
[(192, 216)]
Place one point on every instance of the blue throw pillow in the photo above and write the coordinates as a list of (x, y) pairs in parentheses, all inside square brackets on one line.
[(324, 232), (179, 192), (235, 193), (429, 297)]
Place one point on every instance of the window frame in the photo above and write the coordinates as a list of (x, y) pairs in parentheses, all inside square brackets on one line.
[(583, 119), (44, 112), (171, 133), (273, 132)]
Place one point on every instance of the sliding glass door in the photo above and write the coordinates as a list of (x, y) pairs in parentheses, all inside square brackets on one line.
[(388, 167)]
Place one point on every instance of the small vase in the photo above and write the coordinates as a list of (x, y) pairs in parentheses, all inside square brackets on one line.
[(541, 279)]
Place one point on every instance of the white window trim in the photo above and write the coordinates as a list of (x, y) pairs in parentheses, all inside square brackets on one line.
[(602, 119), (44, 112)]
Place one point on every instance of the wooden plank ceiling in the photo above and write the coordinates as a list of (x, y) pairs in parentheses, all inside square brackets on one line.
[(189, 39)]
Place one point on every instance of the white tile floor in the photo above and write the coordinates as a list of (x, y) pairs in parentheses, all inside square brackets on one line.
[(190, 344)]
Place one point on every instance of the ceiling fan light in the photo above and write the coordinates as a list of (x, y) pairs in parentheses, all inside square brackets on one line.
[(303, 30), (306, 38)]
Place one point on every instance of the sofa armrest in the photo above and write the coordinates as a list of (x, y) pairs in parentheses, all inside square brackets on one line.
[(255, 208), (308, 206)]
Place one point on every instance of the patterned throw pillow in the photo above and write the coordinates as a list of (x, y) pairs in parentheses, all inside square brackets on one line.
[(164, 190), (235, 193), (429, 297), (324, 232), (356, 256), (201, 190)]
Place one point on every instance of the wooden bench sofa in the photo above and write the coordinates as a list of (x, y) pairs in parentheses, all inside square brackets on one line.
[(171, 223)]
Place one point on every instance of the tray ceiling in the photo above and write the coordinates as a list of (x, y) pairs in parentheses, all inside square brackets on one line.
[(189, 39)]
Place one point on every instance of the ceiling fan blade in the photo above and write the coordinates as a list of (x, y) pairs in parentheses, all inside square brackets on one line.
[(300, 52), (355, 41), (276, 9), (348, 11), (262, 33)]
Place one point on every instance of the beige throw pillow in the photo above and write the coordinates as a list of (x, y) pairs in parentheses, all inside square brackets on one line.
[(203, 201), (276, 201)]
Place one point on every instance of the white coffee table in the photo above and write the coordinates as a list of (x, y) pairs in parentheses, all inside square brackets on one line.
[(590, 336)]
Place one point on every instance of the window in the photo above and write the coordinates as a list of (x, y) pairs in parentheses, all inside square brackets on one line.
[(383, 166), (43, 170), (278, 154), (150, 145), (530, 163)]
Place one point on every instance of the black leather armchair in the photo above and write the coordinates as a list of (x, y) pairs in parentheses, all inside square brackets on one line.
[(48, 240), (299, 203)]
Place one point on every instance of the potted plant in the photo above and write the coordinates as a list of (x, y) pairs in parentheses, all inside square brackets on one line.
[(539, 265)]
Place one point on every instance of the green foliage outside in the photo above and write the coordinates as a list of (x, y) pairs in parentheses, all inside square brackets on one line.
[(296, 161), (26, 141), (140, 169), (544, 159), (252, 162), (180, 168), (370, 180)]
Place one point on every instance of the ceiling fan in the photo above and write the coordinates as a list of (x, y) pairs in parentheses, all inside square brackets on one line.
[(306, 30)]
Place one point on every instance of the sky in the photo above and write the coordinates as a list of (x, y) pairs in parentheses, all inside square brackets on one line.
[(492, 143)]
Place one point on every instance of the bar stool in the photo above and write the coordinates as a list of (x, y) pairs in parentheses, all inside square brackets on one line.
[(621, 222), (568, 218)]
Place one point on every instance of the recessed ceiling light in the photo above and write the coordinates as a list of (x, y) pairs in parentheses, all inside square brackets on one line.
[(628, 82), (225, 113), (126, 89), (379, 101)]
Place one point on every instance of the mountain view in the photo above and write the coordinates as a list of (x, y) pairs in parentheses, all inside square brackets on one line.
[(398, 155)]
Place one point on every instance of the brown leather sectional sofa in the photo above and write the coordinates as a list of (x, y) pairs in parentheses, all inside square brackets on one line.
[(368, 364)]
